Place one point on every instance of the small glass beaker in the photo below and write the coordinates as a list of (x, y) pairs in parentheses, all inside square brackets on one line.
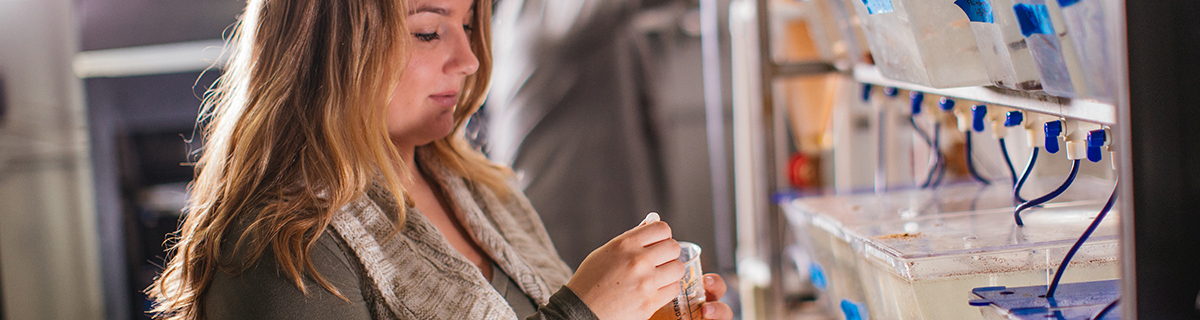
[(686, 306)]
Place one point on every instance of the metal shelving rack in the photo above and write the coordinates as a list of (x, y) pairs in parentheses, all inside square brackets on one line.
[(1154, 119), (1079, 109)]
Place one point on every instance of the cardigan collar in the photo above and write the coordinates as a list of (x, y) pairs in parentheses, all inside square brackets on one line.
[(418, 274)]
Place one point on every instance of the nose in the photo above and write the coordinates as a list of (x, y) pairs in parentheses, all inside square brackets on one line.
[(462, 59)]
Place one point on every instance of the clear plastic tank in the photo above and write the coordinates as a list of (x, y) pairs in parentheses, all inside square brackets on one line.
[(850, 27), (1084, 23), (927, 42), (822, 223), (1034, 22), (1005, 54), (926, 268)]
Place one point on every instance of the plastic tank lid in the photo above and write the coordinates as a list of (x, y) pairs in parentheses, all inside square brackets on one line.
[(914, 203), (988, 241)]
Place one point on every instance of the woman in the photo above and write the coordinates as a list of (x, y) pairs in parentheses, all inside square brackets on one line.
[(335, 183)]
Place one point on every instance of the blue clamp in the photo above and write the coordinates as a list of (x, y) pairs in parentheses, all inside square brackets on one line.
[(866, 92), (1014, 118), (1054, 129), (946, 104), (1096, 139), (891, 92), (978, 112), (917, 98)]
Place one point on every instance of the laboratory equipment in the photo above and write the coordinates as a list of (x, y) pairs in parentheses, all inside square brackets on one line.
[(1033, 20), (686, 306), (916, 98), (922, 268), (822, 223), (1002, 46), (1096, 300), (1153, 67), (1085, 23), (977, 113), (925, 42), (1013, 119)]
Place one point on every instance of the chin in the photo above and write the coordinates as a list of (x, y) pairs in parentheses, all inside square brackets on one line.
[(423, 133), (438, 134)]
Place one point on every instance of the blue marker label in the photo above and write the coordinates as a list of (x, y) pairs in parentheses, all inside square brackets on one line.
[(1033, 18), (1067, 3), (878, 6), (977, 10)]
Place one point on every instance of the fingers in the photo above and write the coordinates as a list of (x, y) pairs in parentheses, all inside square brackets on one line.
[(663, 252), (668, 274), (714, 287), (716, 310), (666, 294), (648, 234)]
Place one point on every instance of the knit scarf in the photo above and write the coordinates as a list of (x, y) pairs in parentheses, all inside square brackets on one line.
[(417, 274)]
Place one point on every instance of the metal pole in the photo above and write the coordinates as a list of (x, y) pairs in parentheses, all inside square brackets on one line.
[(714, 116), (768, 221)]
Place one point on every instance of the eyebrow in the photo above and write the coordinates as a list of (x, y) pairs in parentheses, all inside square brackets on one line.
[(430, 9)]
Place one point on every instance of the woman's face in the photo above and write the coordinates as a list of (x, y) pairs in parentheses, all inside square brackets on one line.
[(422, 107)]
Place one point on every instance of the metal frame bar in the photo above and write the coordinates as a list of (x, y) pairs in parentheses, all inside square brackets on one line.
[(1080, 109), (768, 220), (762, 127), (151, 59), (714, 117)]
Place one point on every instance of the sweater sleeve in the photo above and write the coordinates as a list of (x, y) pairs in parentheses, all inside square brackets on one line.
[(265, 292), (564, 305)]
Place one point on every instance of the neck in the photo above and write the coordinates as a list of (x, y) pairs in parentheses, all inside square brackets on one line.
[(408, 157)]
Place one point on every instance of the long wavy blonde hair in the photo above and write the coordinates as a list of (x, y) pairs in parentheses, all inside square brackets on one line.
[(295, 129)]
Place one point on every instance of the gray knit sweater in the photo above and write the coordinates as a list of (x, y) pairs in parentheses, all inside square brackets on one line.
[(413, 273)]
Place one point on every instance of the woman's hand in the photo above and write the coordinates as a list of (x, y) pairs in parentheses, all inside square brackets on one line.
[(714, 288), (632, 275)]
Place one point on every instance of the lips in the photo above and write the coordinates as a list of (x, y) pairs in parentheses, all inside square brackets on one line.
[(445, 99)]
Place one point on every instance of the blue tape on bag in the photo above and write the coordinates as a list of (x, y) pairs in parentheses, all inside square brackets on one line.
[(1033, 18), (977, 10), (1067, 3), (817, 274), (878, 6), (853, 310)]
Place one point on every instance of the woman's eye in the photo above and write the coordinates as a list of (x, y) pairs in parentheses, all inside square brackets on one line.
[(427, 37), (468, 28)]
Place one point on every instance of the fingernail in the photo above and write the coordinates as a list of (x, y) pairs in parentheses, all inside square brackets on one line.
[(709, 310), (709, 280), (651, 217)]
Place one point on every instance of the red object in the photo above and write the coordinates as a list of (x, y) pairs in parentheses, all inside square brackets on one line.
[(800, 172)]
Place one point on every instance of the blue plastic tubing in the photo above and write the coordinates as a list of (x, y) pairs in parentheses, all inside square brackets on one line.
[(1011, 171), (1079, 243), (1049, 196), (1109, 307), (1025, 176), (937, 153), (971, 163)]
